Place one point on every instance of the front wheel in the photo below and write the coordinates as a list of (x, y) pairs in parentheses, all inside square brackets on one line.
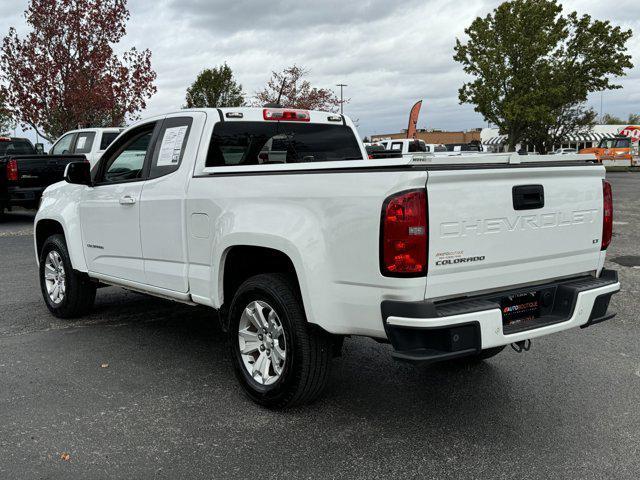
[(67, 293), (278, 357)]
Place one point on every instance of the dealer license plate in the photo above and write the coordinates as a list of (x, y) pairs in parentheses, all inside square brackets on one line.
[(520, 308)]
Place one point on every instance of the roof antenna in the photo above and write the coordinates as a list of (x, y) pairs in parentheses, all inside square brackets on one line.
[(277, 102)]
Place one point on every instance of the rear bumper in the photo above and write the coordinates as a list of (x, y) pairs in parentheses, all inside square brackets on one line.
[(430, 332)]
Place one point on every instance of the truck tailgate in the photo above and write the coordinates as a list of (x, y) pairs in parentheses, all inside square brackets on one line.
[(493, 228), (40, 171)]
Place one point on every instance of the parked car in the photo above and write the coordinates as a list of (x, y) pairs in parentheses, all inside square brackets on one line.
[(612, 148), (276, 219), (90, 142), (25, 173), (564, 151)]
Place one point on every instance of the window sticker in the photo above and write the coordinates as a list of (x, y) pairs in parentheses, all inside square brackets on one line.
[(171, 146), (81, 142)]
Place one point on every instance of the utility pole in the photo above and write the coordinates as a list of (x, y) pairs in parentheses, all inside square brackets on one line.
[(341, 85)]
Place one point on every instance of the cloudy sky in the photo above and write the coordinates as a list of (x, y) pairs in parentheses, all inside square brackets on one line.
[(389, 53)]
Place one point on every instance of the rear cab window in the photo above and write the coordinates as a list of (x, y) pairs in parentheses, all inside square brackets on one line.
[(417, 146), (16, 147), (264, 143), (107, 139)]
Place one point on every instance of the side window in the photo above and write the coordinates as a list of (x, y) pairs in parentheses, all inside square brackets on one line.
[(622, 143), (84, 142), (107, 139), (125, 160), (63, 146), (169, 149), (396, 146)]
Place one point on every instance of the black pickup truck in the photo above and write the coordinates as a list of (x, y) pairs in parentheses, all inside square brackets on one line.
[(25, 173)]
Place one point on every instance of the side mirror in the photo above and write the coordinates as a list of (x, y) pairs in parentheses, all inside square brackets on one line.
[(39, 148), (78, 173)]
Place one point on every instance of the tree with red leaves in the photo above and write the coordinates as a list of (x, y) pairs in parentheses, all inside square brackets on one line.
[(65, 74), (296, 92)]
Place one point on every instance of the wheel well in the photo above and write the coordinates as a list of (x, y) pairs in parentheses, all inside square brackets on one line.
[(243, 262), (44, 230)]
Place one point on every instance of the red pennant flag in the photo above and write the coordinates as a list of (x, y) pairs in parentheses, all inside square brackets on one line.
[(413, 119)]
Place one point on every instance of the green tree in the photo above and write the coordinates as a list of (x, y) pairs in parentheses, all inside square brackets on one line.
[(568, 120), (215, 87), (634, 119), (608, 119), (534, 67)]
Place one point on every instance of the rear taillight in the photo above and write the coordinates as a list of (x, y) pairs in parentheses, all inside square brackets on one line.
[(287, 115), (12, 170), (607, 220), (403, 248)]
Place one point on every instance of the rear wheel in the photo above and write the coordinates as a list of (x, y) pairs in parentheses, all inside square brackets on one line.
[(67, 293), (278, 357)]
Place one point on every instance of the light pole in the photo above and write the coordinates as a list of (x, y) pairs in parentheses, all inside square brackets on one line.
[(341, 85)]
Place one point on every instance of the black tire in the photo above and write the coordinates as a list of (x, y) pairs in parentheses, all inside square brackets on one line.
[(80, 292), (308, 348)]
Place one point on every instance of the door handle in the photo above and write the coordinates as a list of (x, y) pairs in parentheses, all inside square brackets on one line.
[(127, 200), (528, 197)]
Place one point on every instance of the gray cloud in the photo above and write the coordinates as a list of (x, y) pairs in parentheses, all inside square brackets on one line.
[(390, 53)]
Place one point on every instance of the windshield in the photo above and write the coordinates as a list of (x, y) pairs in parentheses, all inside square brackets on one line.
[(16, 147), (614, 143), (257, 143)]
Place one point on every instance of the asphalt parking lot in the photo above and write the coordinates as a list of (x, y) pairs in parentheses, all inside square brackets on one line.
[(142, 389)]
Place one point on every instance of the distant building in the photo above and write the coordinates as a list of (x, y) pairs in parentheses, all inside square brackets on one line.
[(435, 136), (493, 141)]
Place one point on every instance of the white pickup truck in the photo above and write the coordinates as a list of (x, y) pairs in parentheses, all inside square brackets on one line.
[(276, 219), (90, 142), (409, 146)]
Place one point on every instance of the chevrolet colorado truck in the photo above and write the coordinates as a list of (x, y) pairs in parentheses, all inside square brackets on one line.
[(276, 219), (24, 173)]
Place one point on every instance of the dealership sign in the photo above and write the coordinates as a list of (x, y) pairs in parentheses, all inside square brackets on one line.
[(632, 131)]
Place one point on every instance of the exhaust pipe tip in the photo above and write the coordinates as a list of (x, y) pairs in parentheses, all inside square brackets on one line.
[(521, 346)]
